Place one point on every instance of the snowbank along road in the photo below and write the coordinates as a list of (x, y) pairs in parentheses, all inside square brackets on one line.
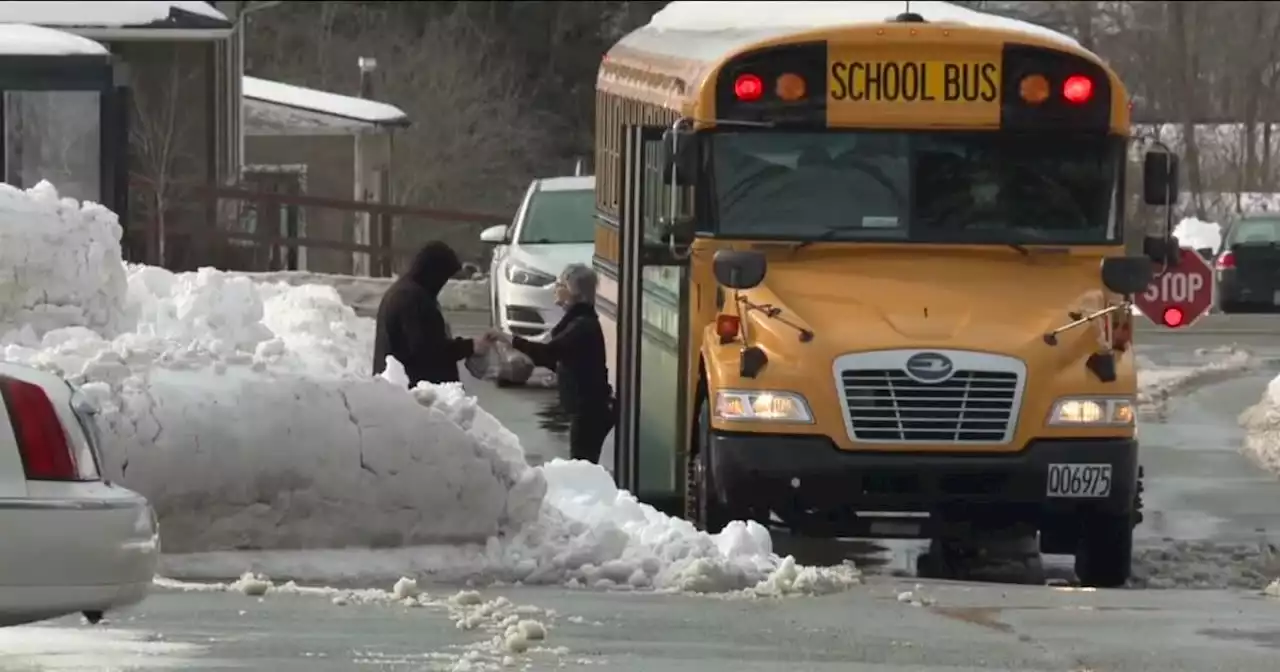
[(243, 409)]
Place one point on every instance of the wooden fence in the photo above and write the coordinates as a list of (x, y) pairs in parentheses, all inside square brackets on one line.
[(238, 228)]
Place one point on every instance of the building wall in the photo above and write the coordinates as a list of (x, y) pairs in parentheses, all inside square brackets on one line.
[(330, 162)]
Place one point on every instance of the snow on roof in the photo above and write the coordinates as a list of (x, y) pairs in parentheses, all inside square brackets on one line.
[(736, 15), (22, 40), (107, 13), (575, 183), (330, 104)]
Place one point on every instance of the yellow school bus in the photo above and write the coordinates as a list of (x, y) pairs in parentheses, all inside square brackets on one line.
[(867, 276)]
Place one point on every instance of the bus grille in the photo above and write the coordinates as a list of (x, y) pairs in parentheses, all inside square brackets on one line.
[(972, 406)]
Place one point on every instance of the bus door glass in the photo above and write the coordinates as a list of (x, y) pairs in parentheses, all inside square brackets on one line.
[(652, 333)]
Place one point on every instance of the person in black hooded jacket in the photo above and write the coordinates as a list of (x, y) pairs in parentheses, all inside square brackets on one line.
[(411, 326)]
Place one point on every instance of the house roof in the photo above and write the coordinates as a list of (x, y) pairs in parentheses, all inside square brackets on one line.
[(109, 19), (276, 108), (18, 39)]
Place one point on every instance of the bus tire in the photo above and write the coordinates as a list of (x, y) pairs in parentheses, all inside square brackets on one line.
[(1104, 556), (701, 505)]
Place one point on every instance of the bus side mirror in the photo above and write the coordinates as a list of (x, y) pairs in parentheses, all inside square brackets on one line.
[(739, 269), (1163, 250), (679, 156), (1159, 178), (1127, 275)]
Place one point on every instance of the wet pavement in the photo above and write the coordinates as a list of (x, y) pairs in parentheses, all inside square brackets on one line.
[(889, 624), (1200, 487)]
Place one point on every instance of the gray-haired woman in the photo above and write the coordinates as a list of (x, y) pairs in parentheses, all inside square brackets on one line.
[(575, 352)]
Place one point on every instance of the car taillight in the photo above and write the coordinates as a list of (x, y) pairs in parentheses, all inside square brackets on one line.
[(1225, 260), (42, 441)]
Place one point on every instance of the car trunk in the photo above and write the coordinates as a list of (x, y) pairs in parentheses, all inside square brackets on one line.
[(1257, 269)]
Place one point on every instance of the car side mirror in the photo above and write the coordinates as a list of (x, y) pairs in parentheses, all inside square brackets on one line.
[(1159, 178), (1127, 275), (679, 156), (495, 235), (739, 269)]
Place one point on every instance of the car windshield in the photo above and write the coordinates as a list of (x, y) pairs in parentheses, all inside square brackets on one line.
[(1255, 232), (560, 217), (949, 187)]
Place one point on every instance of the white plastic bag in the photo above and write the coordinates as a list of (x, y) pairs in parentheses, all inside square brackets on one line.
[(501, 362)]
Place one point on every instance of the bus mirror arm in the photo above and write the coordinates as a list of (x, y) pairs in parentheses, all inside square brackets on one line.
[(1078, 319), (774, 313)]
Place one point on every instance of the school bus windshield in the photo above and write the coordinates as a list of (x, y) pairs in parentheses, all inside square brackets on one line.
[(936, 187)]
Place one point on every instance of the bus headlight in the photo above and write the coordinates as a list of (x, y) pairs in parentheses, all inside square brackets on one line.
[(761, 405), (1093, 412)]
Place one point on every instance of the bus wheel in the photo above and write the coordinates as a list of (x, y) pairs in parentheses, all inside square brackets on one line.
[(1104, 557), (701, 506)]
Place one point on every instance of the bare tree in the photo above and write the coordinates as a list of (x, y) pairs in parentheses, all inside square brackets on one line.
[(162, 125), (474, 141)]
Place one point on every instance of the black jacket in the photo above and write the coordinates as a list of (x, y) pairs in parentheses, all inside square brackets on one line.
[(411, 326), (575, 352)]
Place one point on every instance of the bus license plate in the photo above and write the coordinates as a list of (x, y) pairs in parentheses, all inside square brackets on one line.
[(1079, 480)]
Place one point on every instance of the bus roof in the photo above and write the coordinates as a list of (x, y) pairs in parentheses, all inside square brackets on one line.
[(710, 32)]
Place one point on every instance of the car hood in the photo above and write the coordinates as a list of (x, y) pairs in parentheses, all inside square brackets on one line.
[(552, 258)]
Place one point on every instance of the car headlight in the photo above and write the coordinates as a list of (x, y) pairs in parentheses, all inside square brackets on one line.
[(762, 405), (522, 274), (1093, 412)]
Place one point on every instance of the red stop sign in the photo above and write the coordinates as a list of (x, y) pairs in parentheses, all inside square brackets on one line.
[(1181, 294)]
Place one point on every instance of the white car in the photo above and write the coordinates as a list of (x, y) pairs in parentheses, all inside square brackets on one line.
[(69, 541), (554, 227)]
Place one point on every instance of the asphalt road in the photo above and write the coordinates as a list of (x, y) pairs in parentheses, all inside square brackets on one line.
[(1201, 490), (888, 624)]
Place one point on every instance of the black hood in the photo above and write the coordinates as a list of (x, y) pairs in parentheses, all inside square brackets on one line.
[(434, 264)]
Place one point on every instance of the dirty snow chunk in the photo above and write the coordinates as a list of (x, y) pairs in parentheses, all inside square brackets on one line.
[(1204, 565), (1272, 589), (1196, 234), (466, 295), (1157, 383), (1262, 422), (716, 15), (252, 584)]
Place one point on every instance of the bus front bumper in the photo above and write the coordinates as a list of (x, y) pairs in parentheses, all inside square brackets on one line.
[(762, 473)]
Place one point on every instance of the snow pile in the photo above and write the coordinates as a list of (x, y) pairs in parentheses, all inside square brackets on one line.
[(1262, 420), (245, 413), (1157, 383), (363, 294), (1197, 235), (511, 634)]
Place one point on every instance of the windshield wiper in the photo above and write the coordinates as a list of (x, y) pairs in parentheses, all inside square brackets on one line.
[(827, 235)]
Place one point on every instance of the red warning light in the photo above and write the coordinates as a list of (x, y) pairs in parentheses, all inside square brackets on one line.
[(1078, 89), (1173, 317), (748, 87)]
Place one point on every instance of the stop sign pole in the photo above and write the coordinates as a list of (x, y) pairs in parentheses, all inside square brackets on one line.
[(1181, 294)]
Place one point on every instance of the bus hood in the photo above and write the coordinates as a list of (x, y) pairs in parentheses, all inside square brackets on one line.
[(994, 301)]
